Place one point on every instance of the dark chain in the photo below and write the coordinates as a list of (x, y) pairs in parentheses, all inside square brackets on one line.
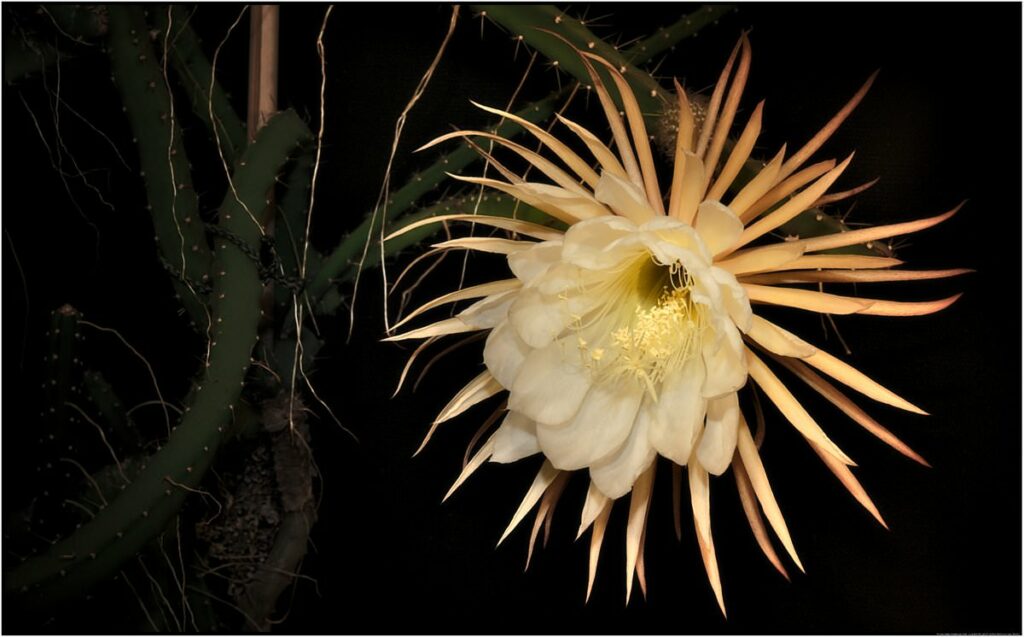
[(266, 259)]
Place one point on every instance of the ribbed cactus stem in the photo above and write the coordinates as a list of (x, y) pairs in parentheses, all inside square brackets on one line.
[(64, 368), (547, 29), (685, 27), (144, 508), (79, 21), (173, 203), (111, 409), (193, 70)]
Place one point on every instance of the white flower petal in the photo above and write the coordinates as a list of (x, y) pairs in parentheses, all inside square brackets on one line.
[(615, 475), (515, 439), (623, 197), (718, 226), (677, 418), (735, 298), (720, 433), (551, 384), (663, 233), (487, 313), (587, 243), (504, 353), (725, 366), (537, 318), (602, 424), (534, 261)]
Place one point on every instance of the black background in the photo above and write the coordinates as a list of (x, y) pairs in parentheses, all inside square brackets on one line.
[(941, 124)]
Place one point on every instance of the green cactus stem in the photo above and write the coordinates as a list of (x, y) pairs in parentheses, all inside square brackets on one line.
[(194, 71), (547, 29), (78, 21), (145, 507), (685, 27), (111, 410), (64, 368), (173, 203)]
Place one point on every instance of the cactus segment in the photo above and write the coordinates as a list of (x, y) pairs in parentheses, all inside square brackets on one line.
[(667, 37), (149, 503), (193, 70), (173, 203)]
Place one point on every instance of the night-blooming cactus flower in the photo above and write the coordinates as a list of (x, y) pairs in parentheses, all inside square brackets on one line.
[(629, 326)]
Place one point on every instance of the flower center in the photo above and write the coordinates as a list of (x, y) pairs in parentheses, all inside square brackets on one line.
[(652, 326)]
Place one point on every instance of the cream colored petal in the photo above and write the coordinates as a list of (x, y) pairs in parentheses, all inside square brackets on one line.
[(678, 416), (589, 243), (844, 261), (641, 140), (806, 299), (473, 292), (476, 391), (864, 235), (552, 171), (739, 155), (777, 340), (545, 477), (718, 226), (725, 366), (538, 318), (580, 206), (615, 475), (763, 259), (488, 313), (664, 230), (493, 245), (515, 439), (793, 207), (908, 308), (527, 228), (785, 187), (551, 384), (749, 502), (529, 264), (596, 539), (604, 155), (791, 407), (504, 354), (595, 503), (751, 461), (735, 298), (851, 483), (853, 276), (563, 152), (481, 456), (624, 197), (687, 187), (848, 407), (700, 501), (720, 430), (857, 380), (639, 504), (600, 427), (531, 194), (759, 185), (453, 325)]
